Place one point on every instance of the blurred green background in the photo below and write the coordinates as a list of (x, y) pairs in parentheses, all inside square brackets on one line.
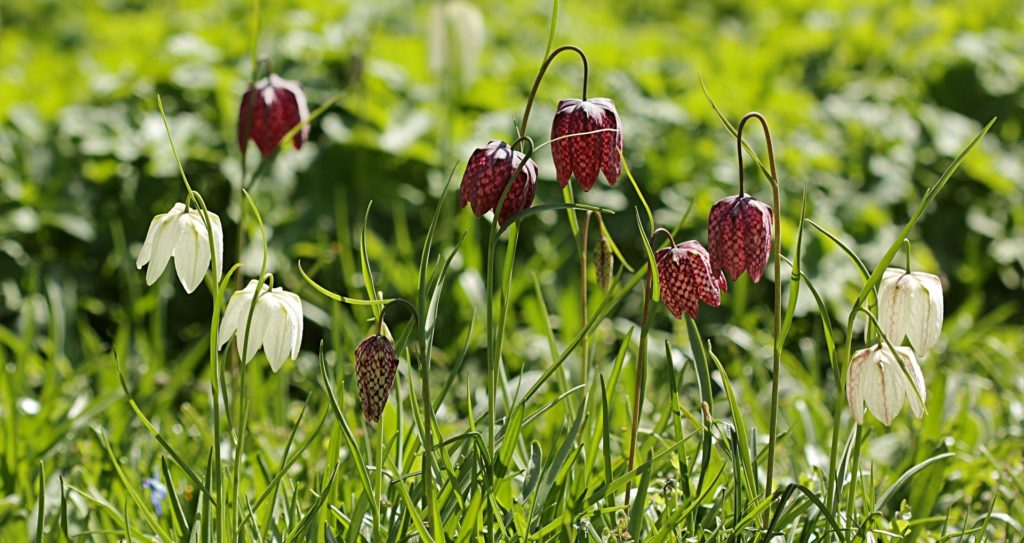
[(868, 101)]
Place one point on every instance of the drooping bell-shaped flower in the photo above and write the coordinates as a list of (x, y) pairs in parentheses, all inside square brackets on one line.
[(182, 234), (685, 278), (584, 156), (740, 236), (270, 108), (488, 171), (875, 382), (276, 324), (910, 307), (376, 363)]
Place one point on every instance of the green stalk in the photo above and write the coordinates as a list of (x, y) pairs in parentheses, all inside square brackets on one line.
[(777, 253), (640, 386), (641, 381), (242, 401), (584, 306)]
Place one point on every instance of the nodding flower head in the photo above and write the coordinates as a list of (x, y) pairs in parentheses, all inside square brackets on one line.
[(276, 325), (270, 108), (489, 169), (182, 233), (910, 307), (875, 382), (685, 278), (376, 364), (584, 156), (740, 236)]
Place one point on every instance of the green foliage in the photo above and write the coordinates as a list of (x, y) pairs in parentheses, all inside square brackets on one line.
[(105, 382)]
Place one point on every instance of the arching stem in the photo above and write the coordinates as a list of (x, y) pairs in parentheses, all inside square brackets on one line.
[(906, 252), (777, 252), (540, 76)]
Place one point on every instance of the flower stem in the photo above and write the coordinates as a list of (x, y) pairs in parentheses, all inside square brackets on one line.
[(427, 408), (906, 252), (641, 361), (540, 76), (777, 252), (494, 333), (585, 358), (641, 379)]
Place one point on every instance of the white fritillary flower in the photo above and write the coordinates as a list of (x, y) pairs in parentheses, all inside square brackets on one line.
[(181, 233), (276, 324), (910, 307), (875, 382)]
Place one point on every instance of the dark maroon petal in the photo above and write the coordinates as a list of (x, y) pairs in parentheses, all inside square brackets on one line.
[(376, 363), (685, 278), (520, 196), (716, 232), (611, 141), (246, 117), (561, 149), (757, 227), (586, 156), (269, 109), (740, 236)]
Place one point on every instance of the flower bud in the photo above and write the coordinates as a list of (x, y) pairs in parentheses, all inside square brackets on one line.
[(584, 156), (740, 236), (685, 278), (875, 382), (269, 109), (910, 307), (604, 263), (488, 171), (376, 364)]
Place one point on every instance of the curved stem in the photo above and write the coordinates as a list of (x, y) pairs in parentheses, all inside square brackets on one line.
[(777, 252), (665, 232), (906, 252), (540, 76)]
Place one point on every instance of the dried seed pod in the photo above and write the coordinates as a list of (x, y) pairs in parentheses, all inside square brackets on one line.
[(604, 262)]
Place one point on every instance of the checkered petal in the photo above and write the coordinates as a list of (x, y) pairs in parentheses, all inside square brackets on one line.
[(376, 364), (740, 236), (269, 109), (488, 170), (685, 278), (587, 155)]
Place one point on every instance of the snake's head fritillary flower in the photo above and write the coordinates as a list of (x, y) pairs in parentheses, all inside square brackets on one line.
[(685, 278), (875, 382), (276, 324), (270, 108), (595, 151), (376, 363), (181, 233), (489, 168), (910, 307), (740, 236)]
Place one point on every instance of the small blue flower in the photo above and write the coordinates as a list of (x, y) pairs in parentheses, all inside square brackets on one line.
[(157, 493)]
